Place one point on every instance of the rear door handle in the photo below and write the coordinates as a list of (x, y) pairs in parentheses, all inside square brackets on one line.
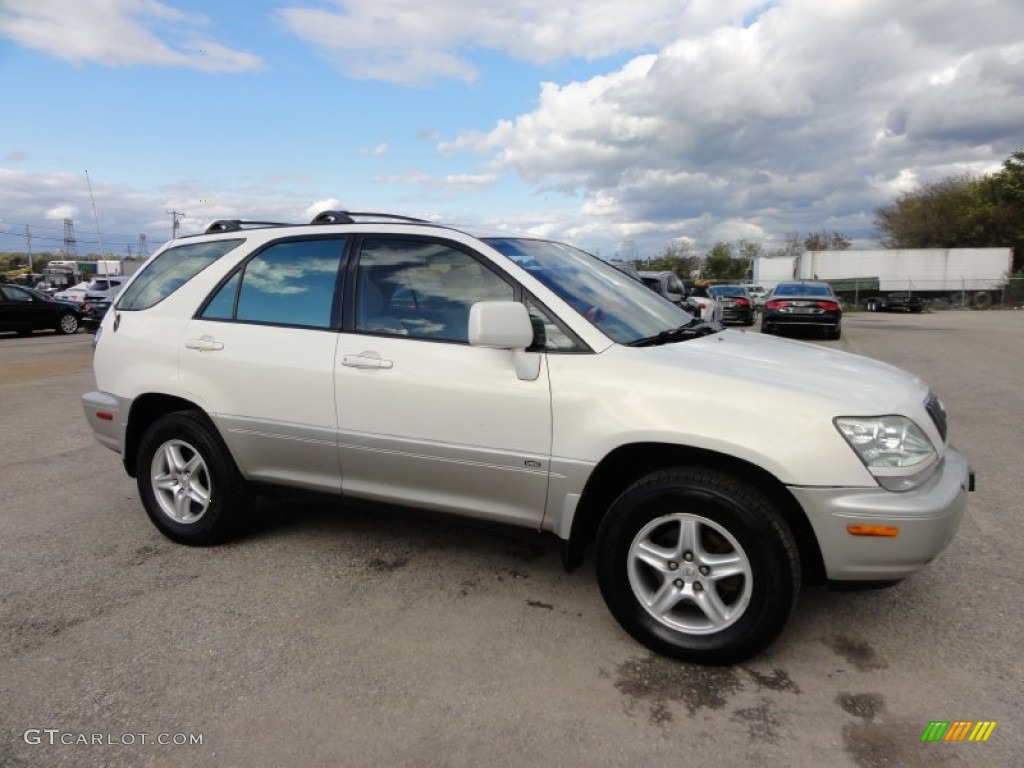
[(204, 345), (366, 360)]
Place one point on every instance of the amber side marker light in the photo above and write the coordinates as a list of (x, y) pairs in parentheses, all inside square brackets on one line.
[(873, 530)]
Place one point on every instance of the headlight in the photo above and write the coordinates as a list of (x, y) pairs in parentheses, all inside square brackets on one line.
[(895, 450)]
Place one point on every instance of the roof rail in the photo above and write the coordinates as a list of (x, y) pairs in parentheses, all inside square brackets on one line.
[(345, 217), (324, 217), (236, 225)]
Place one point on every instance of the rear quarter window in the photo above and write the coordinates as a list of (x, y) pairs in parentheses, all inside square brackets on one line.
[(171, 270)]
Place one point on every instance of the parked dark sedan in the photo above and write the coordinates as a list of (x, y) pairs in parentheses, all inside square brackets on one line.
[(895, 302), (737, 306), (25, 310), (93, 311), (803, 305)]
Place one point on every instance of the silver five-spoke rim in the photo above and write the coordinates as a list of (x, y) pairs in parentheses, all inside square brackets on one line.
[(689, 573), (181, 481)]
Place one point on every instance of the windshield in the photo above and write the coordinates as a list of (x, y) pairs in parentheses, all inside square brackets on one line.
[(624, 309)]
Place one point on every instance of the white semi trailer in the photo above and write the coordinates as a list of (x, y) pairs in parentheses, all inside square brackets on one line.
[(959, 274)]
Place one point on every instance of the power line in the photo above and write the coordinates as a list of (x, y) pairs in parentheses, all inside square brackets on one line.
[(122, 240)]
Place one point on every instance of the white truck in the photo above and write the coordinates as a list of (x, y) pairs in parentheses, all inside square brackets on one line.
[(960, 275)]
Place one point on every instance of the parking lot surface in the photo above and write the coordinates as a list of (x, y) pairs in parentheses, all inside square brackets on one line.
[(349, 636)]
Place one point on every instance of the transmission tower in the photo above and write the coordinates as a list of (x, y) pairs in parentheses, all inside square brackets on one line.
[(70, 245), (143, 249)]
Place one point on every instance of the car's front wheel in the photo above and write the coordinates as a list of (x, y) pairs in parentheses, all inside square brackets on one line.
[(698, 565), (188, 483), (67, 324)]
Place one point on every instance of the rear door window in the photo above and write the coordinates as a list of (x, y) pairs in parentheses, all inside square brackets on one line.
[(291, 283)]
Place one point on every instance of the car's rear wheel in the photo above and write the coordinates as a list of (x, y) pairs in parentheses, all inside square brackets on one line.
[(698, 565), (67, 324), (188, 483)]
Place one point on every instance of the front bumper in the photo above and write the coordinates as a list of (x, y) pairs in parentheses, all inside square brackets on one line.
[(927, 518), (107, 415)]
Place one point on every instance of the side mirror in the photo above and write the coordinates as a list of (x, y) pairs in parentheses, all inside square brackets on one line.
[(505, 325)]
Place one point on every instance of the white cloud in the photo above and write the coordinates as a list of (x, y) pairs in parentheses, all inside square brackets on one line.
[(469, 180), (411, 42), (119, 33), (379, 151), (813, 113), (330, 204), (61, 212)]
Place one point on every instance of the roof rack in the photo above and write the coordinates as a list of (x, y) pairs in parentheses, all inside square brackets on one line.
[(324, 217), (345, 217), (236, 225)]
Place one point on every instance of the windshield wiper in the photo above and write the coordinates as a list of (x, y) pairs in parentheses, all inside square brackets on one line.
[(691, 330)]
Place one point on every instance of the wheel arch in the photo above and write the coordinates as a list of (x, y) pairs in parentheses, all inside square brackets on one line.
[(145, 410), (628, 463)]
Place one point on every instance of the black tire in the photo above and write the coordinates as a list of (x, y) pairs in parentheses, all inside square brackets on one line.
[(724, 518), (210, 508), (834, 333), (67, 324), (766, 328)]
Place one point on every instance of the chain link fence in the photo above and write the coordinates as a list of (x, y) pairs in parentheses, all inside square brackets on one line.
[(937, 294)]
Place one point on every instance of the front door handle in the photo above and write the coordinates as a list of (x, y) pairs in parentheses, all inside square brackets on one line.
[(204, 344), (366, 360)]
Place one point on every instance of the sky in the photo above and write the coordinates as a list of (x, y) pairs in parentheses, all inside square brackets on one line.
[(618, 127)]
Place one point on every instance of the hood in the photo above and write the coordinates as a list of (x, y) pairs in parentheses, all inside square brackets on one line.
[(845, 383)]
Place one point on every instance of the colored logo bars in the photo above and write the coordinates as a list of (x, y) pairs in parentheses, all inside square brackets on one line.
[(958, 730)]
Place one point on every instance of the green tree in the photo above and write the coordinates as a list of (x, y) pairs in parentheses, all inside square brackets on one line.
[(960, 212), (942, 214), (826, 241), (721, 264), (677, 256)]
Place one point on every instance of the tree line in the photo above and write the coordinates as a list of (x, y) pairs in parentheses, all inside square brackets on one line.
[(727, 261)]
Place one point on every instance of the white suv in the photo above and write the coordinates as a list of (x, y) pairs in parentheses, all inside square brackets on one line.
[(521, 380)]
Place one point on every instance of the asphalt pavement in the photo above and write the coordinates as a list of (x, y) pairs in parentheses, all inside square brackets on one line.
[(345, 636)]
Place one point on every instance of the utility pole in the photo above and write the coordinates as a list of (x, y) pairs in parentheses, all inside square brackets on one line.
[(174, 226), (28, 238), (143, 249)]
